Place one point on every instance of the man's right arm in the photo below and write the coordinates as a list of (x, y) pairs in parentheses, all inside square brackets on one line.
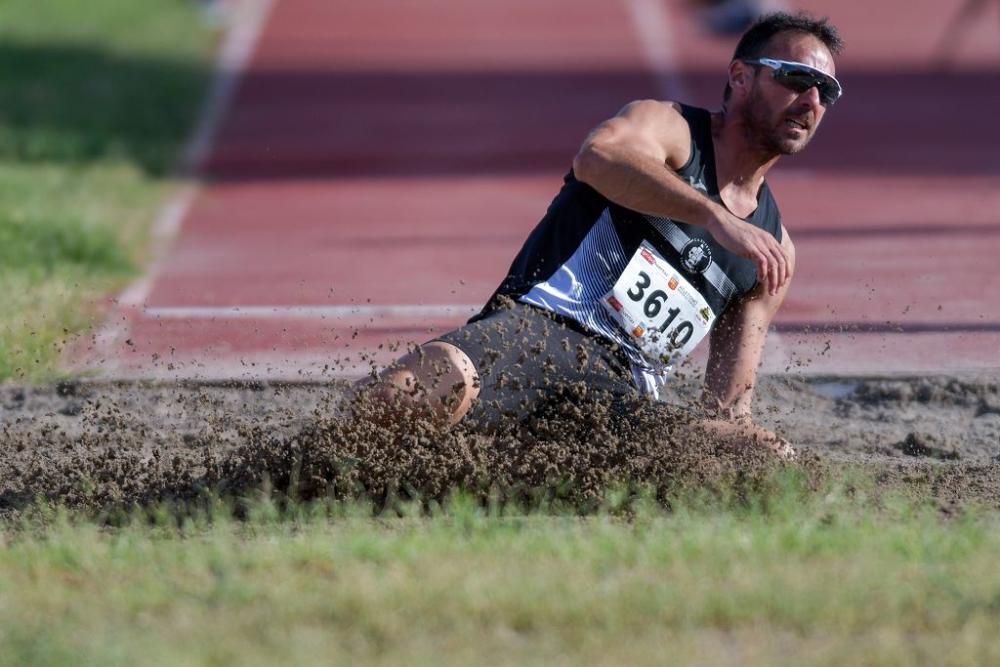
[(631, 159)]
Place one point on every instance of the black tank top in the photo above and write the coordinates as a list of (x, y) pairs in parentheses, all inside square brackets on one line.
[(574, 255)]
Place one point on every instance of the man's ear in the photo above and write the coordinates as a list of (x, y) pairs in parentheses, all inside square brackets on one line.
[(740, 75)]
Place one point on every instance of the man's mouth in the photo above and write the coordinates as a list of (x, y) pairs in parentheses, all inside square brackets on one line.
[(798, 124)]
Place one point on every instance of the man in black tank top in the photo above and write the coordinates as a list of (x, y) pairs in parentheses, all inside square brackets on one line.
[(664, 233)]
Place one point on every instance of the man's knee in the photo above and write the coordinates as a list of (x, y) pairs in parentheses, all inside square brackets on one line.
[(438, 377)]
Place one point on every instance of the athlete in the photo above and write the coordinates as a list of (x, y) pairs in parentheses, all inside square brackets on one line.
[(664, 233)]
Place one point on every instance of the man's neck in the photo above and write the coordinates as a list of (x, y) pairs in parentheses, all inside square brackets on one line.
[(740, 164)]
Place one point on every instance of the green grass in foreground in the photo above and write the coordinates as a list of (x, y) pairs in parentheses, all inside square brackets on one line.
[(819, 579), (96, 100)]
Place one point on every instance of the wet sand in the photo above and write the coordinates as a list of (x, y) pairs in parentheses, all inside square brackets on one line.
[(97, 446)]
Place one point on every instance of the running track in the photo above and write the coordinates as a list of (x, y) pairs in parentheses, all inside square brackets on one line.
[(379, 163)]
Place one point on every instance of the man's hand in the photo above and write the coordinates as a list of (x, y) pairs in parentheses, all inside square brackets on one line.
[(770, 440), (742, 432), (766, 252), (784, 450)]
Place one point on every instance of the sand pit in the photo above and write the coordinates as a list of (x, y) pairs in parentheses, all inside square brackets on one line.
[(99, 446)]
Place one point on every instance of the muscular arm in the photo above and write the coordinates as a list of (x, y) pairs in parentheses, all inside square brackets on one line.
[(631, 159), (737, 343)]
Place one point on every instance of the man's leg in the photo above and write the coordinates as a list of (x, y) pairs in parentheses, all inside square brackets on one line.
[(436, 380)]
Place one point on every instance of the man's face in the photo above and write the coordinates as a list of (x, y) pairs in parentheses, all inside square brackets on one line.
[(782, 121)]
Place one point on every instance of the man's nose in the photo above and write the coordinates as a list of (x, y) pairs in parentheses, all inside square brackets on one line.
[(811, 98)]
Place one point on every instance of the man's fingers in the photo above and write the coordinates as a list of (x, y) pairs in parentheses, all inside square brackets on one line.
[(768, 255), (780, 266), (760, 259), (770, 267), (780, 260), (773, 273), (786, 263), (785, 451), (762, 252)]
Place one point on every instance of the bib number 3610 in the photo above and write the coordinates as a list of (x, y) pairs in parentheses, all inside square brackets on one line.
[(658, 308)]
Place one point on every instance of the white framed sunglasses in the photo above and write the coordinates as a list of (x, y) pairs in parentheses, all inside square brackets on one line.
[(800, 77)]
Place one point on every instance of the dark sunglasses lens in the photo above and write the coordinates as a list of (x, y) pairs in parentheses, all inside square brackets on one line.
[(801, 81)]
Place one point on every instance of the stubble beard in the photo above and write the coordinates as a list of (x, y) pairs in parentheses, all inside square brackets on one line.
[(763, 131)]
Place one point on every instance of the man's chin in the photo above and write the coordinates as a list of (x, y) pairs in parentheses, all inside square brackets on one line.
[(791, 147), (780, 143)]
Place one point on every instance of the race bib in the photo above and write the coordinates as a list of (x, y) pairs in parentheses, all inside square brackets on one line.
[(662, 312)]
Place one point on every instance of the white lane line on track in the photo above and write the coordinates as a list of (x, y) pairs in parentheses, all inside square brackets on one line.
[(651, 23), (340, 312)]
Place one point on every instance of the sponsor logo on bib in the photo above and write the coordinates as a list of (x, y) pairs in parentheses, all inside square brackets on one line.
[(696, 256)]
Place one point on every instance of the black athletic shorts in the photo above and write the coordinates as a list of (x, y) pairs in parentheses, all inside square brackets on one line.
[(527, 357)]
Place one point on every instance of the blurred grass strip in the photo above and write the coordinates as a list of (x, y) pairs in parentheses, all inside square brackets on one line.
[(96, 101), (793, 580)]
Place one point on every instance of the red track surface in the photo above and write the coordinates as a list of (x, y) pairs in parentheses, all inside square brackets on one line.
[(397, 154)]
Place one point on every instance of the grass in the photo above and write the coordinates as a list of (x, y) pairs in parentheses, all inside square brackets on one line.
[(820, 579), (96, 101)]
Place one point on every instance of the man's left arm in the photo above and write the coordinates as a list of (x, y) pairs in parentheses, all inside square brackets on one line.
[(737, 344)]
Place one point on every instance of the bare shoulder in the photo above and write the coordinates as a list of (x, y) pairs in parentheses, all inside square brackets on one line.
[(654, 127), (659, 111), (663, 121)]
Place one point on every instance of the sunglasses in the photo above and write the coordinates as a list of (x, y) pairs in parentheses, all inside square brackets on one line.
[(800, 77)]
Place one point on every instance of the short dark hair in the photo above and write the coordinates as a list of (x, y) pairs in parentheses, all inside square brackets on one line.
[(754, 42)]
